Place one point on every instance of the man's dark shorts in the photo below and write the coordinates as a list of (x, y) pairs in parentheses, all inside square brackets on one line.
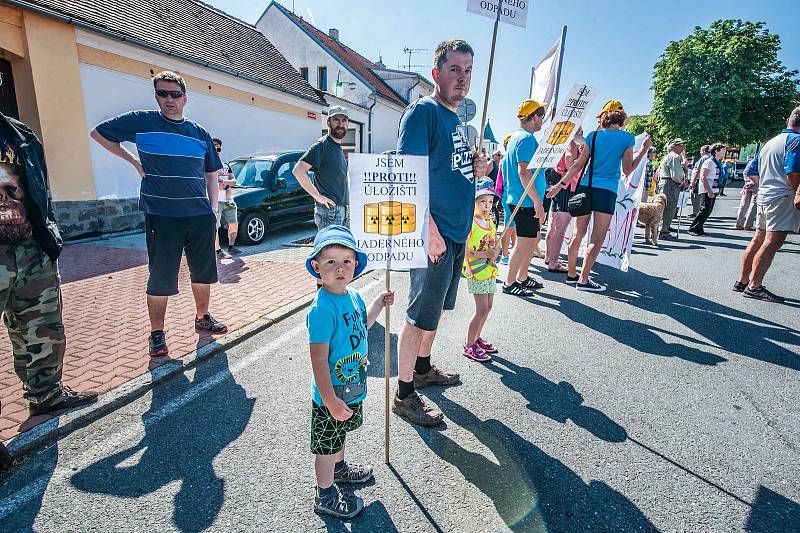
[(528, 225), (434, 289), (167, 239)]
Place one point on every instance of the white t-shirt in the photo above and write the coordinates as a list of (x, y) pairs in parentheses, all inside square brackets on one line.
[(223, 174), (712, 179)]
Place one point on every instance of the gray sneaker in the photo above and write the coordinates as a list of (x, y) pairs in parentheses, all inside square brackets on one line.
[(416, 410), (338, 504), (434, 376), (353, 473)]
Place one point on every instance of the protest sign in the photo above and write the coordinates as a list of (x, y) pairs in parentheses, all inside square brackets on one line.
[(562, 129), (616, 249), (511, 11), (389, 220), (389, 209)]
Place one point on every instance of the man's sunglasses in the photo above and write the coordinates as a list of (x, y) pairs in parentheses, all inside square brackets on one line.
[(172, 94)]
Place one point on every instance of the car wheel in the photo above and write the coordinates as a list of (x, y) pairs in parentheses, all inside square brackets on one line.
[(255, 228)]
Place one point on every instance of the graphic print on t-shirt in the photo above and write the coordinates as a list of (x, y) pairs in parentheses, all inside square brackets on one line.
[(462, 153), (15, 226)]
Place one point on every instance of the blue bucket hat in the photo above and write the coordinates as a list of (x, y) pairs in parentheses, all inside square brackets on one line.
[(336, 235), (484, 187)]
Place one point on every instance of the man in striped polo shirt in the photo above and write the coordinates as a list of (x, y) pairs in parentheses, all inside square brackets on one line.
[(178, 165)]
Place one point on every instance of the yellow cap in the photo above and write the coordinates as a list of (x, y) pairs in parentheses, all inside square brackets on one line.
[(506, 139), (527, 107), (610, 107)]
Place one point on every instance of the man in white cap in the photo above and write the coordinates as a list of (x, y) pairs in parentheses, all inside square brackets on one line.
[(326, 158), (672, 172)]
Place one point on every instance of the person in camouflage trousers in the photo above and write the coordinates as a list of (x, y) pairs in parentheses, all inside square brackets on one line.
[(30, 293)]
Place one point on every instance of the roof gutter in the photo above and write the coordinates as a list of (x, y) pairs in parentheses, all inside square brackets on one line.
[(150, 46)]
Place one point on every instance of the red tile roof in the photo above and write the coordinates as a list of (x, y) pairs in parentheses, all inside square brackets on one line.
[(353, 59)]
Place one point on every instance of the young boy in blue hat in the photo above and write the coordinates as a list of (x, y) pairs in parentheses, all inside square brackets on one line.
[(337, 325)]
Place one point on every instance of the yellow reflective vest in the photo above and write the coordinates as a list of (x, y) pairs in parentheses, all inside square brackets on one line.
[(479, 237)]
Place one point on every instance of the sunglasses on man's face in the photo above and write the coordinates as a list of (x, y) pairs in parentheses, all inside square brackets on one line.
[(172, 94)]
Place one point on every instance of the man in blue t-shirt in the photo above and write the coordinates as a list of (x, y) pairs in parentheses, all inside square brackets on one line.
[(179, 166), (430, 127), (530, 214)]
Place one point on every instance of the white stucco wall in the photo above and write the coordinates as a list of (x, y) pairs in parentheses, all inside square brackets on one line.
[(385, 123), (303, 51), (243, 128)]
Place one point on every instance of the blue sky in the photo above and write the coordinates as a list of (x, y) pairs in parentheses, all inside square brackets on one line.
[(611, 44)]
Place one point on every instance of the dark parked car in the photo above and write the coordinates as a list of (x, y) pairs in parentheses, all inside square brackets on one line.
[(267, 194)]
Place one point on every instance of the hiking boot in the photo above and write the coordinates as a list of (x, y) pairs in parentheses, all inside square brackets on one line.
[(222, 254), (487, 346), (158, 344), (434, 376), (337, 503), (353, 473), (517, 289), (233, 250), (531, 283), (65, 399), (739, 286), (417, 410), (476, 353), (210, 324), (761, 293), (590, 286)]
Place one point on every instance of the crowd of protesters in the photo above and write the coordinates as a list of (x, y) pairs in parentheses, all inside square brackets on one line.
[(183, 216)]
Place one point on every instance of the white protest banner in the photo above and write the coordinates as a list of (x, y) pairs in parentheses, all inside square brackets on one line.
[(545, 74), (616, 249), (511, 11), (389, 209), (563, 127)]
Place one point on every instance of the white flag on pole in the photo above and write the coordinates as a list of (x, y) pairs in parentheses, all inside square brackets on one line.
[(545, 75)]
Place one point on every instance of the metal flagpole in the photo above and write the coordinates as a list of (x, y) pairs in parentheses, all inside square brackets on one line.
[(554, 103), (489, 79)]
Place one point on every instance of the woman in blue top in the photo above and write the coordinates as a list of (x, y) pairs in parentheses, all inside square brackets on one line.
[(613, 148)]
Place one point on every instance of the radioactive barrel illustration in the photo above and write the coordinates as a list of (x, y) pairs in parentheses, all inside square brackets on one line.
[(561, 133), (390, 218)]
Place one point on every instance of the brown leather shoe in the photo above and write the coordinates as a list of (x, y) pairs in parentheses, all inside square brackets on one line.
[(417, 410), (435, 376)]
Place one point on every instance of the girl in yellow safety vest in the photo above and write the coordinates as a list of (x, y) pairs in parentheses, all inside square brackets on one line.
[(479, 268)]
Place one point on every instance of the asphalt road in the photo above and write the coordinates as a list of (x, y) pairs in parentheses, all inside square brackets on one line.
[(668, 403)]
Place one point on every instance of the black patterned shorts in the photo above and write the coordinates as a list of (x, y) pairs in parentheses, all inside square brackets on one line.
[(327, 433)]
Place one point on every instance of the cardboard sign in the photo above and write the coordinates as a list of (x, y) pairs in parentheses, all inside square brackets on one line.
[(389, 209), (511, 11), (561, 130)]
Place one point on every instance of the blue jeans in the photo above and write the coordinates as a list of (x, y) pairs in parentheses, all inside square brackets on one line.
[(329, 216)]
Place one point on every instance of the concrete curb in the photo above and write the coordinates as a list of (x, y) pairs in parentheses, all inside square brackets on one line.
[(62, 425)]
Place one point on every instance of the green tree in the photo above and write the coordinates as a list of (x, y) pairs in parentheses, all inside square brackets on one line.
[(724, 83)]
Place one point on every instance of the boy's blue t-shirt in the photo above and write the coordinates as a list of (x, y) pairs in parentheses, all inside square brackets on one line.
[(341, 322), (521, 148), (175, 156), (609, 148), (428, 128)]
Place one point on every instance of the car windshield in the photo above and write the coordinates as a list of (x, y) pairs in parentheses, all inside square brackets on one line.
[(251, 172)]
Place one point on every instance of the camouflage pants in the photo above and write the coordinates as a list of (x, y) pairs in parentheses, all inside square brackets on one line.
[(30, 302)]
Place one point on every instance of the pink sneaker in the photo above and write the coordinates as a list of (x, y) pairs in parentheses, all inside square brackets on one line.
[(476, 353), (486, 346)]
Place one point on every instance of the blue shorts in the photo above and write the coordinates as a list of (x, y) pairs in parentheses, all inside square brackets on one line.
[(603, 200)]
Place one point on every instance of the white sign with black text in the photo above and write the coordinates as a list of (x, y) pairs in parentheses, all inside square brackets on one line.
[(511, 11), (389, 209), (563, 127)]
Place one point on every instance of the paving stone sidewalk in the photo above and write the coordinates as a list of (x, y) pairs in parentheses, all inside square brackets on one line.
[(105, 314)]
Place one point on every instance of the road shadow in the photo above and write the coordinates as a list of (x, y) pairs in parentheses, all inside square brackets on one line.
[(23, 490), (557, 401), (230, 271), (374, 517), (376, 338), (773, 513), (188, 424), (645, 338), (531, 491), (733, 331), (82, 261)]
